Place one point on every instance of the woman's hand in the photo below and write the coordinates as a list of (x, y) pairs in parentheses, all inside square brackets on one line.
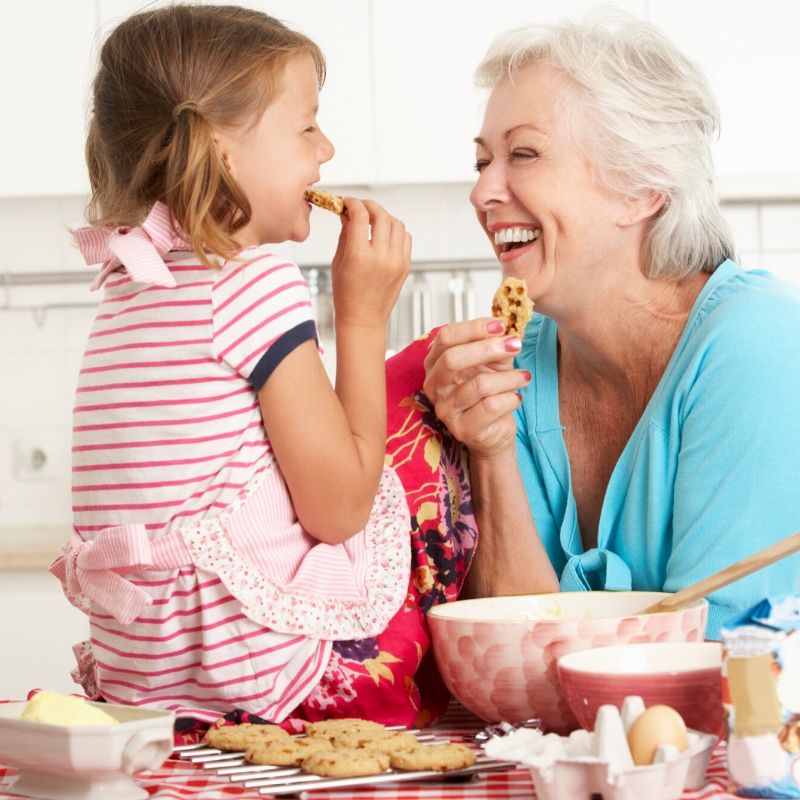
[(471, 381), (372, 261)]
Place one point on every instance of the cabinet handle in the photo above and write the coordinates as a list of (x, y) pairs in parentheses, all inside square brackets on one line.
[(420, 307), (469, 295), (455, 286)]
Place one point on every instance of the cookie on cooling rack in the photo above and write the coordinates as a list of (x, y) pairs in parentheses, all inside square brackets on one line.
[(240, 737), (346, 762), (288, 753), (439, 757), (382, 741)]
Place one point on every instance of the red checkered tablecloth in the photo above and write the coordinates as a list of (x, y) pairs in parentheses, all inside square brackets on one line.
[(180, 780)]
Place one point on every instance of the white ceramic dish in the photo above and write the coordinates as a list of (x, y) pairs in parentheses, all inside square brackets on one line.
[(667, 781), (84, 762)]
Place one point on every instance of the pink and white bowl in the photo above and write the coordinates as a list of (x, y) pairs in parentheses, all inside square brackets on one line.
[(498, 655), (686, 676)]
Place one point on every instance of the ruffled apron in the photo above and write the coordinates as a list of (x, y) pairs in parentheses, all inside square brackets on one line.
[(234, 611)]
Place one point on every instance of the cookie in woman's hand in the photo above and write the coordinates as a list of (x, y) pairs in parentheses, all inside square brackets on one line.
[(512, 305)]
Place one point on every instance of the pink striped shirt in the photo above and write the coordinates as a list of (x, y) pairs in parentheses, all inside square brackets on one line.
[(166, 423), (167, 430)]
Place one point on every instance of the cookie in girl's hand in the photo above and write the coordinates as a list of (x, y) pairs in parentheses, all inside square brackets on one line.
[(330, 202), (512, 305)]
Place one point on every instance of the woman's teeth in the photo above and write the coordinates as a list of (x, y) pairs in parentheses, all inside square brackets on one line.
[(516, 235)]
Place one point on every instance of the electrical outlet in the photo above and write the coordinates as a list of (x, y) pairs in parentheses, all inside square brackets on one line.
[(37, 459)]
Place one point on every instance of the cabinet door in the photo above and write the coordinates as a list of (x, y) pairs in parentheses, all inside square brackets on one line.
[(342, 32), (426, 108), (43, 90), (751, 57)]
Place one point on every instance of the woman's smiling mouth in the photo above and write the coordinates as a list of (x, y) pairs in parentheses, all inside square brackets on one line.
[(515, 240)]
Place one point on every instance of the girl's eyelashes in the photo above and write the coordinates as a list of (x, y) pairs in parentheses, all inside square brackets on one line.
[(480, 164)]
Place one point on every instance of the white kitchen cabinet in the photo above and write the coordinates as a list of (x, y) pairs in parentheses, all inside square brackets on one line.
[(44, 78), (427, 111), (345, 108), (39, 627), (343, 34), (751, 57)]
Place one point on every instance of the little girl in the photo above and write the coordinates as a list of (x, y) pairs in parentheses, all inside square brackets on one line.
[(232, 515)]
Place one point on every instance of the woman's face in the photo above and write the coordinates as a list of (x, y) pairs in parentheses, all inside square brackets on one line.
[(535, 196)]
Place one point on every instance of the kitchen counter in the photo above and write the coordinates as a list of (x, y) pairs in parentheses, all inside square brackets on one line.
[(30, 548)]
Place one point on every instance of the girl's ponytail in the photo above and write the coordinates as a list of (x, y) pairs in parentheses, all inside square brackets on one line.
[(205, 200)]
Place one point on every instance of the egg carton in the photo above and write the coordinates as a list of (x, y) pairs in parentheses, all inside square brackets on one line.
[(278, 781), (663, 781)]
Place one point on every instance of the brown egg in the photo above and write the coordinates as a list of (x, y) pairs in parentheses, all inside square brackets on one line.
[(656, 726)]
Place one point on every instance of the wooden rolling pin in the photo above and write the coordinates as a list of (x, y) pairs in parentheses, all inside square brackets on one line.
[(763, 558)]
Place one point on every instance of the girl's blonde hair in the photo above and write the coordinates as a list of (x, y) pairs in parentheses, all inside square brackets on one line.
[(644, 116), (167, 78)]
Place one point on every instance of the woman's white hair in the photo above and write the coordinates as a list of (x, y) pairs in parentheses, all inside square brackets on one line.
[(645, 118)]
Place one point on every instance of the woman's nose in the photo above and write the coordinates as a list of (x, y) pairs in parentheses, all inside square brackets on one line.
[(490, 189)]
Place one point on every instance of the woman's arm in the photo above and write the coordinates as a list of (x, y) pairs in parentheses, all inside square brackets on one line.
[(330, 443), (471, 382)]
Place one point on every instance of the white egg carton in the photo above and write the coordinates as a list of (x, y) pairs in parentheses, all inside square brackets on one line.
[(664, 781), (84, 762)]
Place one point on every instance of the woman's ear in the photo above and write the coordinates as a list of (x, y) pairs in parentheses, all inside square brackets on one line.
[(640, 208)]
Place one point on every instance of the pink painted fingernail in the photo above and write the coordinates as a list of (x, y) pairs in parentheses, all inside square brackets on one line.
[(526, 374), (495, 326), (513, 345)]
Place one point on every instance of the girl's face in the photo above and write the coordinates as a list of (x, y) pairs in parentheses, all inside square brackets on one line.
[(535, 189), (278, 158)]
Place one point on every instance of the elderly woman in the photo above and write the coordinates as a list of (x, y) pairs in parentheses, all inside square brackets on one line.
[(645, 432)]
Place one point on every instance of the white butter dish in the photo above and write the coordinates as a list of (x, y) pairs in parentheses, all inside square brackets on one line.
[(84, 762)]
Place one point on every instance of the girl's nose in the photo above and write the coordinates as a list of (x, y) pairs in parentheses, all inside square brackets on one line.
[(326, 149), (491, 187)]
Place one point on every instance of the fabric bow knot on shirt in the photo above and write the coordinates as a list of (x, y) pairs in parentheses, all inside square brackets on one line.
[(140, 250), (596, 569), (92, 568)]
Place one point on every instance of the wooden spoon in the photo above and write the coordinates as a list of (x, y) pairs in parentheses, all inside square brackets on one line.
[(760, 559)]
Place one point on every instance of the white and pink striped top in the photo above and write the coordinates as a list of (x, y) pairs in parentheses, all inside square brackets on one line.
[(203, 591), (167, 426), (168, 431)]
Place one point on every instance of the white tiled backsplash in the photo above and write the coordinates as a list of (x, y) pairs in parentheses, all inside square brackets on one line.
[(40, 345)]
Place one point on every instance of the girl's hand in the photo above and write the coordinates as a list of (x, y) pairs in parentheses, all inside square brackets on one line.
[(372, 261), (471, 381)]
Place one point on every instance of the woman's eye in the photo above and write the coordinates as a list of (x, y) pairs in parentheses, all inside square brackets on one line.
[(522, 154), (480, 164), (310, 129)]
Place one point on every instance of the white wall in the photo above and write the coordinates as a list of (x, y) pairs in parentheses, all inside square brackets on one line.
[(43, 328)]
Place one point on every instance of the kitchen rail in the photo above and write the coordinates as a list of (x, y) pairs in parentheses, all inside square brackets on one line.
[(48, 278)]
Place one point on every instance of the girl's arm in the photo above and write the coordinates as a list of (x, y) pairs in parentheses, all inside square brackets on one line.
[(330, 443), (470, 381)]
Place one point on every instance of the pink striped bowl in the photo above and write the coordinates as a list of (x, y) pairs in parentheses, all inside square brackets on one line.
[(497, 655), (683, 675)]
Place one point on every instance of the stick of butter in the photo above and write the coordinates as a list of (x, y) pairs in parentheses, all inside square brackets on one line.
[(61, 709)]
